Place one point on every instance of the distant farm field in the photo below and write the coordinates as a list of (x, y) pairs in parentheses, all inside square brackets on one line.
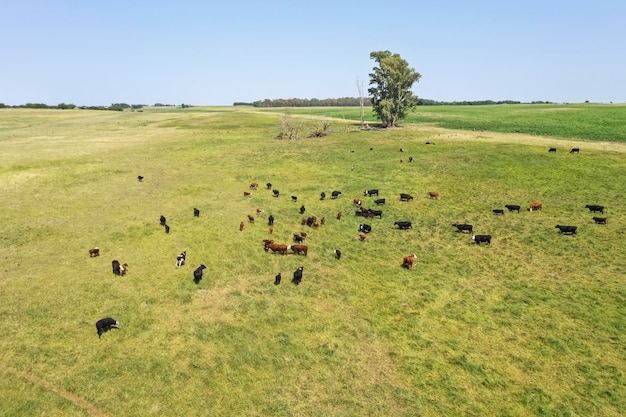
[(533, 324), (595, 122)]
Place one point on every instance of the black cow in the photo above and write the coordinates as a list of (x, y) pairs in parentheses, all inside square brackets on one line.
[(335, 194), (369, 193), (269, 185), (167, 229), (276, 193), (302, 209), (180, 259), (115, 265), (406, 197), (337, 253), (461, 227), (277, 279), (593, 208), (599, 220), (478, 239), (566, 229), (139, 178), (512, 207), (297, 276), (410, 159), (379, 201), (197, 274), (323, 196), (498, 211), (106, 324), (365, 228), (552, 150), (270, 220), (575, 150), (294, 198), (196, 212), (403, 225), (162, 220), (298, 238)]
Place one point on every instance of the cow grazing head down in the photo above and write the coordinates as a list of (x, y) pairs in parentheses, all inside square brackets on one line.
[(407, 261), (297, 276), (106, 324), (196, 212), (197, 274), (180, 259), (277, 279), (337, 253), (94, 252)]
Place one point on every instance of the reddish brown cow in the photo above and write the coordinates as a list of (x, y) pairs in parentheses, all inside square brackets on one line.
[(250, 218), (357, 202), (271, 230), (323, 220), (259, 210), (278, 248), (407, 261), (339, 214), (247, 194), (254, 186), (363, 237), (94, 252), (300, 249), (535, 206), (241, 226), (433, 194)]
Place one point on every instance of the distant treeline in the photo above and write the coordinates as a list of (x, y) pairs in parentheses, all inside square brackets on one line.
[(113, 107), (355, 101)]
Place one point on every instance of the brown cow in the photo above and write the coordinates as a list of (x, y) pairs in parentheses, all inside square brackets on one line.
[(323, 220), (271, 230), (241, 226), (407, 261), (94, 252), (254, 186), (300, 249), (259, 210), (433, 194), (247, 194), (278, 248), (357, 202), (339, 214), (362, 237), (250, 218), (535, 206)]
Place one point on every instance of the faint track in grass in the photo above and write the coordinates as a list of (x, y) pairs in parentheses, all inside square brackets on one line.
[(73, 398)]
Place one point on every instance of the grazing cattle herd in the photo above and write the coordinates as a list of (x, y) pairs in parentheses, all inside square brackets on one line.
[(298, 248)]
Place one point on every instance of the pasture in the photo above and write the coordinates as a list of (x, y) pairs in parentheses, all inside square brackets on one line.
[(533, 324)]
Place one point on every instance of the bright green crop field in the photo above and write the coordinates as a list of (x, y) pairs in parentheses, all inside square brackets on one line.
[(593, 122), (533, 324)]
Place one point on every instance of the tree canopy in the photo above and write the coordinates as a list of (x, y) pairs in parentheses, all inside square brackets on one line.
[(390, 87)]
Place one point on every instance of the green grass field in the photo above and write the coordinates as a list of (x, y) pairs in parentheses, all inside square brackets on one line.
[(534, 324)]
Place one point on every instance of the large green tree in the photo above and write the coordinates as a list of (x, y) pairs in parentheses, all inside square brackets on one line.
[(390, 87)]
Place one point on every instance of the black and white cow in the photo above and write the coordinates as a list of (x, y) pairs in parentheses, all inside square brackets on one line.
[(322, 196), (337, 253), (365, 228), (197, 274), (566, 229), (335, 194), (180, 259), (478, 239), (106, 324), (369, 193), (297, 276), (575, 150)]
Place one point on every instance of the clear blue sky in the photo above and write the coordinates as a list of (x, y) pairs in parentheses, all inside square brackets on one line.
[(216, 53)]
